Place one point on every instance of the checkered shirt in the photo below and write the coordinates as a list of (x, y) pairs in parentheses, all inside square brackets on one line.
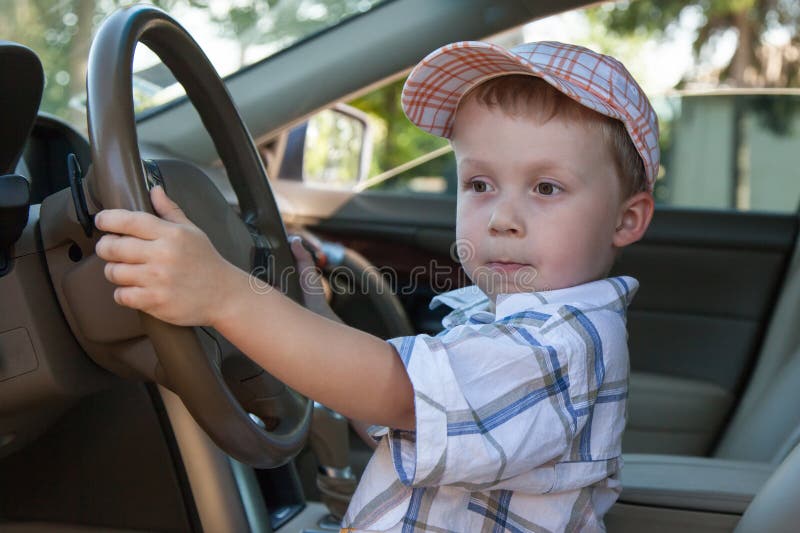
[(519, 417)]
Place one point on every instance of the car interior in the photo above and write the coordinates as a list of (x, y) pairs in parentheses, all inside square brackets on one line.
[(111, 420)]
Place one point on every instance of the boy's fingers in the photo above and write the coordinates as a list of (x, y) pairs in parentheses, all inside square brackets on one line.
[(122, 249), (166, 208), (310, 276), (135, 297), (136, 223), (123, 274), (299, 251)]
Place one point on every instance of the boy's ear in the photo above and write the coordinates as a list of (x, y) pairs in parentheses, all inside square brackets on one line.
[(633, 219)]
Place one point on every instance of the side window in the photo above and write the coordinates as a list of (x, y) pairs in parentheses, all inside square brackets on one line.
[(369, 144), (728, 149), (405, 159)]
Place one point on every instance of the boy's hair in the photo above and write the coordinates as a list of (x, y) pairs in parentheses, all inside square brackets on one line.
[(518, 94)]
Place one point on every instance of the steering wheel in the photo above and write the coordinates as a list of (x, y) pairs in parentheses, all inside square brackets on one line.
[(244, 410)]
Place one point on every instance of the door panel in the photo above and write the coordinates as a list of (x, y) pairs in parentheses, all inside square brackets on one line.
[(708, 282), (666, 413), (693, 346)]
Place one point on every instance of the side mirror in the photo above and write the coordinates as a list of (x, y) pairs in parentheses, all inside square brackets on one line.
[(333, 149)]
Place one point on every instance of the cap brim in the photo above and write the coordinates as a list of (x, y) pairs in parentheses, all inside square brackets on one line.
[(437, 84)]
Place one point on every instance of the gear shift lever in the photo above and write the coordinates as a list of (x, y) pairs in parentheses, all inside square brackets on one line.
[(330, 442)]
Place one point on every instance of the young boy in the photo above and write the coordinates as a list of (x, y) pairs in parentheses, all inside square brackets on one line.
[(512, 417)]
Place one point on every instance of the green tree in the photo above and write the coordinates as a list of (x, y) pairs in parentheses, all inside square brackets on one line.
[(281, 22), (397, 140), (756, 62), (60, 32)]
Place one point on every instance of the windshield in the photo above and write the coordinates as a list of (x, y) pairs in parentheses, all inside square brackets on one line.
[(232, 33)]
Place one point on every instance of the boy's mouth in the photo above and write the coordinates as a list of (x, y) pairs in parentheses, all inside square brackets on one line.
[(499, 275), (505, 266)]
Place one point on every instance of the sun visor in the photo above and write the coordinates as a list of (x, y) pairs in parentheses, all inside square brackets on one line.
[(21, 85)]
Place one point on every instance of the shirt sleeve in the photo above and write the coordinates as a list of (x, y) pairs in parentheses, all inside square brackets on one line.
[(492, 402)]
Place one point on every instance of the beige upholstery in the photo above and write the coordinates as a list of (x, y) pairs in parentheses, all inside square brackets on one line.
[(776, 508), (768, 431), (696, 483), (765, 426), (673, 415)]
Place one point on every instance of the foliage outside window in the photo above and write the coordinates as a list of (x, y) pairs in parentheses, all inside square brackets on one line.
[(233, 33)]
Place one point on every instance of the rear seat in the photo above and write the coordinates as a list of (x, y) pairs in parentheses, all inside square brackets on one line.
[(766, 424)]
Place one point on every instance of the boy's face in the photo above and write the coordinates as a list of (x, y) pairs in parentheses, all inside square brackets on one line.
[(538, 204)]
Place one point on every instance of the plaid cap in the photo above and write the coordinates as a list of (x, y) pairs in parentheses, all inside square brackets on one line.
[(436, 85)]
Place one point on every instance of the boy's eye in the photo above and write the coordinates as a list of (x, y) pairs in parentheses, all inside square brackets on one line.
[(547, 189), (479, 186)]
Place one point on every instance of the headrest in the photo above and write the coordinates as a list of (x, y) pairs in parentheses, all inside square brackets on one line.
[(21, 85)]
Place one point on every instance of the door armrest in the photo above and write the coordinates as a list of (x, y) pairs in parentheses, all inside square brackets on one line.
[(696, 483)]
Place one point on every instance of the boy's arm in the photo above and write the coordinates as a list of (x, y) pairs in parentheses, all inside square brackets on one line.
[(168, 268), (314, 300), (350, 371)]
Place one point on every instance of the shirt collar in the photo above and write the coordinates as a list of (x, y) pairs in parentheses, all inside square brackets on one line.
[(615, 293), (465, 302)]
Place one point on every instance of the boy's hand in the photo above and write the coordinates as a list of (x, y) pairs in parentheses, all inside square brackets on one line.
[(311, 280), (166, 266)]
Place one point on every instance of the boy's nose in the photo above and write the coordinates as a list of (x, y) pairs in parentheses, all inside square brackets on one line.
[(506, 219)]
